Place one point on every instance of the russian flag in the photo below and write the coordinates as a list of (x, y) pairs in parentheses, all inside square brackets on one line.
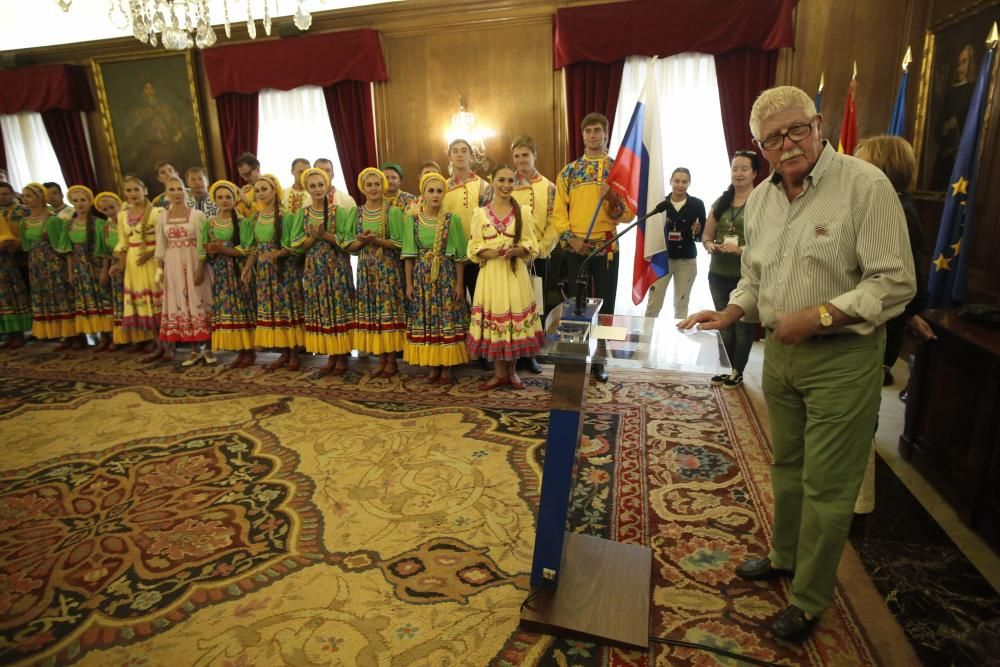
[(637, 177)]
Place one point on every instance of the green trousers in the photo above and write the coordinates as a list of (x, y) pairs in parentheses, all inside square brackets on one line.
[(823, 399)]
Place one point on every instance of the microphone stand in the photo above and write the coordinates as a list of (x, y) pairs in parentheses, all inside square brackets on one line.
[(581, 276)]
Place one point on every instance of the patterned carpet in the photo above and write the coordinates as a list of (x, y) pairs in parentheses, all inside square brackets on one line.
[(237, 518)]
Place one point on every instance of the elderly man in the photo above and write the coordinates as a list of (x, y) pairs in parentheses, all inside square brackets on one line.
[(826, 264)]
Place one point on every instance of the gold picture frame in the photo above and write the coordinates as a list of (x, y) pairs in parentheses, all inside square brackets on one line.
[(953, 52), (150, 112)]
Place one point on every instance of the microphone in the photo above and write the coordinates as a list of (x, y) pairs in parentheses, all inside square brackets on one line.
[(581, 277)]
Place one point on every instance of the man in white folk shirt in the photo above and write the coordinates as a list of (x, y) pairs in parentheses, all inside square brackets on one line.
[(826, 264)]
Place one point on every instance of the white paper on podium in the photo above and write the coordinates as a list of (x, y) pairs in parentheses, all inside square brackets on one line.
[(603, 332)]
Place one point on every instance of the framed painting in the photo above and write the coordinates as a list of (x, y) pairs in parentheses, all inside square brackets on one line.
[(953, 53), (149, 106)]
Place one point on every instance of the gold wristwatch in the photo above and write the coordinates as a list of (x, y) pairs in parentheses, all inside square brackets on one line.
[(825, 318)]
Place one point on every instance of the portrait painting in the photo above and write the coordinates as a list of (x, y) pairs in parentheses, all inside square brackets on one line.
[(150, 111), (954, 52)]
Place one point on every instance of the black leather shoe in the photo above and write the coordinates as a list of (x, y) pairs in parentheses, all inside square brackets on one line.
[(599, 372), (759, 569), (531, 364), (792, 625)]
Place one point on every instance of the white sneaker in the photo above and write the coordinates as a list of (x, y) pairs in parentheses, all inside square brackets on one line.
[(193, 359)]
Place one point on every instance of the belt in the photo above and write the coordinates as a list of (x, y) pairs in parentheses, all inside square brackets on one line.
[(823, 338)]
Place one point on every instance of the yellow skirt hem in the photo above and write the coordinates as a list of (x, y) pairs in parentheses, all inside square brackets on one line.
[(329, 344), (121, 336), (380, 343), (58, 329), (280, 338), (94, 324), (452, 354), (234, 341)]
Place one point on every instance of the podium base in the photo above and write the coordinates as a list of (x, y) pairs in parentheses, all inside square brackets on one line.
[(603, 594)]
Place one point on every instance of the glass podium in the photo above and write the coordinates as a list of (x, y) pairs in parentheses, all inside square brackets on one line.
[(589, 587)]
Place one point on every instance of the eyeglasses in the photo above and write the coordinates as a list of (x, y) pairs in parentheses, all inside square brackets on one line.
[(795, 133)]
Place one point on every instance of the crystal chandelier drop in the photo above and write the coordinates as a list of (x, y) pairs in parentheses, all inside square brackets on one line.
[(182, 24)]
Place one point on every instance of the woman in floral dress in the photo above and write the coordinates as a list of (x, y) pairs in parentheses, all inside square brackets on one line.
[(43, 237), (434, 248), (92, 300), (505, 323), (15, 301), (234, 315), (273, 248), (327, 277), (381, 306), (187, 288), (109, 205), (142, 300)]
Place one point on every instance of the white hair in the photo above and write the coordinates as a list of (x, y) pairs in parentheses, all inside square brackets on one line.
[(778, 99)]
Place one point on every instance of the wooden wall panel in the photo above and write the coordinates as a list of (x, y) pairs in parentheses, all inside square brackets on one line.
[(829, 38), (829, 34), (506, 81)]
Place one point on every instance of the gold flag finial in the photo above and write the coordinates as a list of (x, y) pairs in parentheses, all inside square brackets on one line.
[(992, 40), (855, 75), (907, 59), (821, 75)]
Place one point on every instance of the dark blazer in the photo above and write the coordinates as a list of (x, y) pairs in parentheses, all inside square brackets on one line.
[(682, 221)]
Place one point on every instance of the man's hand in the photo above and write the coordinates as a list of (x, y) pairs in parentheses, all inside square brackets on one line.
[(579, 246), (918, 327), (708, 319), (797, 327)]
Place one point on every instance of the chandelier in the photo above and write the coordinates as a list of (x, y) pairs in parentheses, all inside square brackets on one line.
[(463, 126), (182, 24)]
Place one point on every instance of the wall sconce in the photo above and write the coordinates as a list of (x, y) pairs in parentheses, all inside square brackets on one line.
[(463, 126)]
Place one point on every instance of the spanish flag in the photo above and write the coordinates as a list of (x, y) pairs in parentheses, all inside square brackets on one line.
[(849, 126)]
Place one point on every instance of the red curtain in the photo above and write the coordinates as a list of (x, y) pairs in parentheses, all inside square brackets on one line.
[(349, 104), (610, 32), (742, 75), (65, 130), (238, 121), (45, 87), (310, 60), (590, 87)]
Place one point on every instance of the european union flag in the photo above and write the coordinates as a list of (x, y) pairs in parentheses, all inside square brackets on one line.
[(950, 259), (898, 121)]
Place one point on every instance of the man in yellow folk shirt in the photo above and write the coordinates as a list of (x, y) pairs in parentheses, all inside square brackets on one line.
[(465, 193), (248, 167), (539, 193), (580, 188)]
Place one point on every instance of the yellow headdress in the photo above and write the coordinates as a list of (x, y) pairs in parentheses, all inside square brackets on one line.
[(372, 170), (312, 171), (273, 181), (82, 188), (224, 185), (38, 188), (431, 176), (101, 195)]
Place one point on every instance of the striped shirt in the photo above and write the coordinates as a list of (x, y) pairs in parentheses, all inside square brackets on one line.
[(842, 241)]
